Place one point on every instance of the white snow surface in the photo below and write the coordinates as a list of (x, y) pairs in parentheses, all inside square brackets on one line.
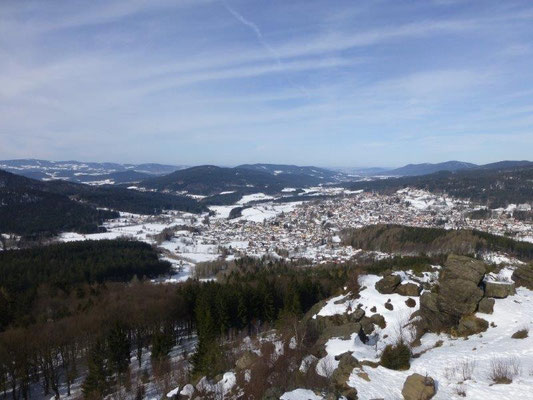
[(300, 394)]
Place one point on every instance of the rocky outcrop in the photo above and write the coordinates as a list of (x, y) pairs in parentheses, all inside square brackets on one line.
[(341, 375), (344, 332), (418, 387), (408, 289), (499, 290), (523, 276), (486, 306), (458, 294), (388, 284)]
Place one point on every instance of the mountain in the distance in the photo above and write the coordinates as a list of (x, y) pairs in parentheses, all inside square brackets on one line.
[(86, 172), (427, 168), (29, 206), (211, 180), (283, 169)]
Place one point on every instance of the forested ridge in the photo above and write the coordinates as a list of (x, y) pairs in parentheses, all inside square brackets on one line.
[(30, 207), (492, 187), (416, 240)]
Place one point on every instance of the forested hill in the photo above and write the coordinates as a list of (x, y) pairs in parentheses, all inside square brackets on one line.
[(25, 209), (64, 266), (210, 180), (414, 240), (31, 207), (492, 187)]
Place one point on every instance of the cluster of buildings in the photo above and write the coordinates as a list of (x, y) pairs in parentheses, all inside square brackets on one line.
[(313, 229)]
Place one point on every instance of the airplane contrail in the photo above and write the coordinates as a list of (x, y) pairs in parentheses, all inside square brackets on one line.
[(257, 32)]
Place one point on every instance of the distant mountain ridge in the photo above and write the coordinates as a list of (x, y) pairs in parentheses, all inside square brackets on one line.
[(86, 172), (427, 168), (284, 169), (211, 180)]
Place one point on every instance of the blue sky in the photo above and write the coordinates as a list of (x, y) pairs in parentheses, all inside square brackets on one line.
[(329, 83)]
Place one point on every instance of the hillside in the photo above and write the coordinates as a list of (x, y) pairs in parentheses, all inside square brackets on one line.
[(29, 206), (325, 175), (27, 209), (211, 180), (426, 168), (413, 240), (488, 186)]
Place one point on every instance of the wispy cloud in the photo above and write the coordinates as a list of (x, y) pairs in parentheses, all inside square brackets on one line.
[(187, 77)]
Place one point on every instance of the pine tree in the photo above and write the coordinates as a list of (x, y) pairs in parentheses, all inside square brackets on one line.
[(118, 348), (96, 383)]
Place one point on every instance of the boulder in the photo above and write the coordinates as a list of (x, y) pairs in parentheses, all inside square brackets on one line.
[(410, 302), (418, 387), (367, 325), (357, 315), (458, 294), (341, 331), (486, 306), (458, 297), (388, 284), (523, 276), (463, 268), (378, 320), (470, 325), (408, 289), (341, 375), (499, 290)]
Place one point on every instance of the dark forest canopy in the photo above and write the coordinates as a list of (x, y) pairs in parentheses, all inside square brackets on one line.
[(63, 266)]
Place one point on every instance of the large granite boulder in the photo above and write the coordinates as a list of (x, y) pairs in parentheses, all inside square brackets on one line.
[(388, 284), (344, 332), (458, 294), (418, 387), (523, 276), (409, 289), (499, 290)]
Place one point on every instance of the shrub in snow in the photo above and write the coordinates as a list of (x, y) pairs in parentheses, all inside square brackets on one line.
[(503, 370), (396, 357), (521, 334)]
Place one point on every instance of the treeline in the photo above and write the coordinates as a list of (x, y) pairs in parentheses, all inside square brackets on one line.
[(104, 327), (415, 240), (491, 187), (65, 265)]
